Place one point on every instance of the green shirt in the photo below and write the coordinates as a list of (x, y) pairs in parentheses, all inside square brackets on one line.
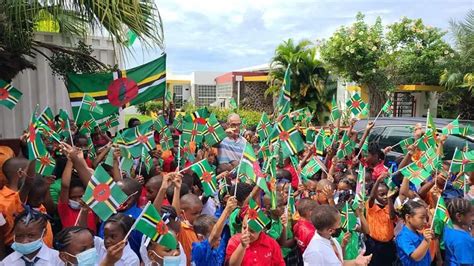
[(54, 190), (235, 225), (276, 228)]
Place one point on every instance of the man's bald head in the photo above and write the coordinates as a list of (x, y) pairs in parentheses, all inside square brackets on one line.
[(233, 117), (234, 122)]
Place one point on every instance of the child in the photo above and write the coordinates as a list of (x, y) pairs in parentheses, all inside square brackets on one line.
[(153, 253), (325, 192), (458, 241), (303, 228), (253, 248), (375, 161), (210, 250), (324, 248), (191, 207), (115, 229), (244, 191), (76, 246), (380, 218), (28, 245), (413, 247)]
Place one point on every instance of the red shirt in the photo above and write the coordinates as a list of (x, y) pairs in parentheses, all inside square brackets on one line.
[(69, 216), (168, 164), (303, 231), (294, 176), (142, 200), (263, 251)]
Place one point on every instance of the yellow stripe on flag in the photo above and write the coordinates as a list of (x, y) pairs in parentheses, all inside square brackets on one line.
[(151, 78), (93, 94)]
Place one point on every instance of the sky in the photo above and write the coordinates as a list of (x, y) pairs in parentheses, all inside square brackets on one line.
[(225, 35)]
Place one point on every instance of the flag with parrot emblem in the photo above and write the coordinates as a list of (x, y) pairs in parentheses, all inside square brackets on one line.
[(214, 132), (257, 220), (9, 96), (207, 176), (289, 136), (355, 104)]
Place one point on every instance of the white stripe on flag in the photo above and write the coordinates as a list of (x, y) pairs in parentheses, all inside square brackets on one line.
[(157, 82)]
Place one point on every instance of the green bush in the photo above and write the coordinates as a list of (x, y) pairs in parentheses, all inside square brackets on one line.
[(149, 107), (252, 117)]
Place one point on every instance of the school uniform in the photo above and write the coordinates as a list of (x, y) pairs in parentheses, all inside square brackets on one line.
[(303, 231), (144, 252), (203, 254), (323, 252), (459, 246), (263, 251), (46, 256), (407, 242), (380, 239), (129, 258)]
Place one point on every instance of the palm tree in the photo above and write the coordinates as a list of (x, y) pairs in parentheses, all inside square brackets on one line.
[(19, 20), (311, 85)]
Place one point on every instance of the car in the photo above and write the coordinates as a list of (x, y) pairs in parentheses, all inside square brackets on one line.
[(388, 131)]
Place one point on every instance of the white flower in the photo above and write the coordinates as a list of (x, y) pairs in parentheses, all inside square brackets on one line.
[(451, 54), (347, 48), (369, 39), (353, 38), (446, 52), (352, 51), (361, 32), (374, 48), (359, 73), (359, 42), (374, 70)]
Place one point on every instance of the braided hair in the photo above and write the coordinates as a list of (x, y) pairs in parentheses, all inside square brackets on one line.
[(65, 236), (458, 205), (124, 221), (30, 215)]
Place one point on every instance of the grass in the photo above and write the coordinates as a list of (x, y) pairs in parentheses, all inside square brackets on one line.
[(142, 118)]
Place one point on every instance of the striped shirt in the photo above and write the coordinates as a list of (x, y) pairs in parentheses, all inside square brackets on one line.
[(230, 150)]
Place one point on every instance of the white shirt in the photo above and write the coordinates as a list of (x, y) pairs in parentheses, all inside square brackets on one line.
[(144, 253), (321, 252), (46, 257), (129, 258)]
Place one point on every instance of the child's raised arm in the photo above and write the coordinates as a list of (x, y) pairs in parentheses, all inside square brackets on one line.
[(216, 232), (162, 192), (65, 182)]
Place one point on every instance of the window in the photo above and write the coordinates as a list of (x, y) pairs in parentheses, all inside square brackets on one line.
[(224, 91), (205, 94), (178, 95)]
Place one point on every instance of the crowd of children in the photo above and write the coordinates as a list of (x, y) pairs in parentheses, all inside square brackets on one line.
[(353, 211)]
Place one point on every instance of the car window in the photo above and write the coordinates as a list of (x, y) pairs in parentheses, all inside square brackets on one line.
[(455, 141), (394, 134)]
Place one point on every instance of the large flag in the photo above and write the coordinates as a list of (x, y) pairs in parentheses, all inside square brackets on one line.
[(415, 174), (119, 88), (257, 220), (462, 161), (335, 113), (152, 225), (263, 127), (311, 168), (9, 96), (355, 104), (285, 90), (214, 132), (103, 195), (289, 136), (452, 128), (207, 176), (441, 217), (135, 138)]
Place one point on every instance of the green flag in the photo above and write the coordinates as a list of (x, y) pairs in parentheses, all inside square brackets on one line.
[(459, 182), (178, 122), (365, 112), (169, 94), (126, 160), (45, 165), (335, 113), (131, 37), (264, 151), (441, 217), (263, 127), (9, 96), (166, 139), (207, 176), (310, 169), (199, 116), (193, 132), (355, 104), (426, 141), (430, 161), (415, 174), (114, 90), (462, 161), (348, 218), (257, 220), (146, 160), (430, 122), (47, 117), (466, 131), (152, 225), (137, 137), (88, 124), (285, 90), (346, 147), (103, 195), (213, 132), (159, 123), (63, 124), (233, 104), (360, 194), (111, 122), (387, 107), (91, 149), (35, 144), (405, 143), (289, 136), (452, 128), (364, 150)]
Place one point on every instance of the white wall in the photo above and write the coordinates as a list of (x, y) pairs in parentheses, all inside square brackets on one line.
[(41, 87)]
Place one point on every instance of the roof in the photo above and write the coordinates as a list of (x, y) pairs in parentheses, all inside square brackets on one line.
[(263, 67), (385, 121)]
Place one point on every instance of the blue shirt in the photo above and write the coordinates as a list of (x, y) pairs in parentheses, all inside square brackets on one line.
[(135, 238), (459, 247), (407, 241), (203, 254), (230, 150)]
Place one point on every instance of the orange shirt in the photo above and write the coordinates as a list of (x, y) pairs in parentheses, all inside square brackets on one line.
[(380, 225), (10, 207), (186, 237)]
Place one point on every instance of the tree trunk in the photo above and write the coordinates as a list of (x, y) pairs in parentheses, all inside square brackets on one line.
[(377, 99)]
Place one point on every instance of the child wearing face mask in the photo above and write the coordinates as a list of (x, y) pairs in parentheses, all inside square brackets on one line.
[(76, 246), (28, 246), (154, 254), (69, 205), (412, 246), (191, 208)]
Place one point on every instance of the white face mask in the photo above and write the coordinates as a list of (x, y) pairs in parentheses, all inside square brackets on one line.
[(74, 204)]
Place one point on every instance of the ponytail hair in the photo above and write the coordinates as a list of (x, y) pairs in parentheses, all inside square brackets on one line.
[(409, 208)]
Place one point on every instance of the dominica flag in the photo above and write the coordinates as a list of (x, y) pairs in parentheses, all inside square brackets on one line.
[(392, 187), (460, 181), (199, 116), (146, 160), (387, 107), (193, 132), (169, 95), (335, 113), (103, 195), (47, 117), (91, 149), (159, 123), (441, 217), (366, 111), (117, 89), (9, 96), (310, 134), (45, 164), (36, 147), (272, 191), (430, 161), (290, 138), (462, 161), (415, 174), (452, 128), (284, 109), (285, 90), (213, 132), (430, 122), (348, 218), (47, 131), (166, 139), (466, 131), (63, 123), (404, 143), (233, 104), (355, 104), (310, 169), (250, 169), (152, 225), (88, 107), (364, 150), (264, 151), (111, 122), (346, 147), (426, 141), (125, 161), (178, 122), (135, 138), (320, 142), (257, 220), (88, 124), (264, 127), (360, 188), (207, 176)]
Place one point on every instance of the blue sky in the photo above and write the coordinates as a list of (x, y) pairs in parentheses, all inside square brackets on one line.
[(223, 35)]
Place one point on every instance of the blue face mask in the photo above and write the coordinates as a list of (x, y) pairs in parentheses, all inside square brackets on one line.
[(28, 248), (87, 257)]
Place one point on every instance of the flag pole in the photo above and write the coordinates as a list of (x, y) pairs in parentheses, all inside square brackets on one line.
[(140, 165), (347, 216), (70, 132), (186, 168), (238, 169), (78, 216), (179, 152), (80, 107), (380, 112), (288, 204), (137, 220)]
